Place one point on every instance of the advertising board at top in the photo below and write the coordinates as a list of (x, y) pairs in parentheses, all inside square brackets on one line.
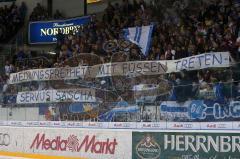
[(45, 32)]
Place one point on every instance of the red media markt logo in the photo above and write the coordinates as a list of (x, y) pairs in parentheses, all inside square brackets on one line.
[(89, 144)]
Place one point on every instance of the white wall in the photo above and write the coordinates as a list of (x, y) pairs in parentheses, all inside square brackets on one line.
[(21, 114)]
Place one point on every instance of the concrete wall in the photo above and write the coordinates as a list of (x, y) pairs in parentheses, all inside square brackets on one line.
[(31, 4), (70, 8), (2, 4), (73, 8), (101, 6)]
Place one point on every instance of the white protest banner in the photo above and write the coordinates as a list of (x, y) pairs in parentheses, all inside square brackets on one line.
[(206, 60), (103, 70), (48, 74), (55, 96), (135, 68)]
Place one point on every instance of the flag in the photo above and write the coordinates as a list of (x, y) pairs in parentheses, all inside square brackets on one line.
[(140, 36)]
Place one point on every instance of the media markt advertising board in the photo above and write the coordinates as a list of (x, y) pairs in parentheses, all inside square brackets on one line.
[(83, 143), (176, 145)]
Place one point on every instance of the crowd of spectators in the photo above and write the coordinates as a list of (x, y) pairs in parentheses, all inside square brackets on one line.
[(11, 20), (180, 30), (218, 85)]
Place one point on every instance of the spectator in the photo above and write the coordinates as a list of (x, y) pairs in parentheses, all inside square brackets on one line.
[(122, 103), (21, 54), (40, 13), (8, 68), (238, 47), (184, 89), (23, 11), (218, 90), (58, 15), (60, 37), (11, 20), (173, 81)]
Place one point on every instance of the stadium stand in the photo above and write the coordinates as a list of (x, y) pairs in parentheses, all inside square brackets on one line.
[(180, 30), (120, 79), (191, 31)]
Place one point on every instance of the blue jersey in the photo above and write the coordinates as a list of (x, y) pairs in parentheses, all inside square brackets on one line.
[(218, 91)]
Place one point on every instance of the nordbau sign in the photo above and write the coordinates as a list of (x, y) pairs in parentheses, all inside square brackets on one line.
[(44, 32), (171, 145)]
